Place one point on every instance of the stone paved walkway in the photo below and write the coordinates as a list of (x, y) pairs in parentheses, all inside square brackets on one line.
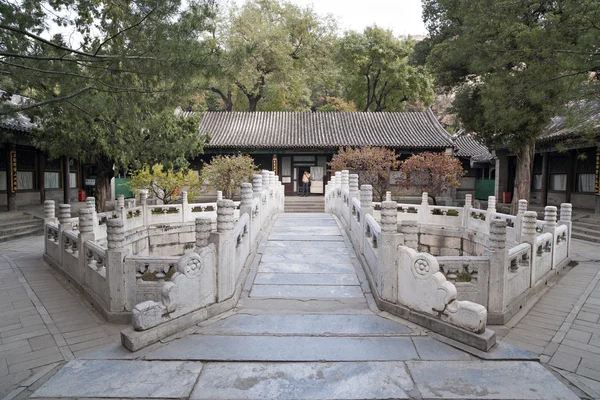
[(305, 328), (44, 322), (563, 327)]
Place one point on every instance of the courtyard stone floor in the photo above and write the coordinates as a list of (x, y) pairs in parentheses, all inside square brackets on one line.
[(306, 327)]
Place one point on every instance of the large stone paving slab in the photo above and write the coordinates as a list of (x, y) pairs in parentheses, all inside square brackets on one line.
[(487, 380), (305, 237), (122, 379), (305, 248), (306, 324), (307, 258), (430, 349), (306, 268), (305, 292), (365, 380), (287, 348), (263, 278)]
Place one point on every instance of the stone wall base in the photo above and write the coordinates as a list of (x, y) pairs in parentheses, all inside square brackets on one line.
[(123, 317), (523, 300)]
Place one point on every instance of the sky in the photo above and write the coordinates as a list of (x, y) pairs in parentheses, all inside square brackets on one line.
[(403, 17)]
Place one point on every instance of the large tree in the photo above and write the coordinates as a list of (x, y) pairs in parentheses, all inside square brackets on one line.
[(103, 78), (514, 66), (379, 76), (268, 51)]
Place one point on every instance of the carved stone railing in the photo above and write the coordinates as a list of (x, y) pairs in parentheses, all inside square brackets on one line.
[(485, 255), (131, 265)]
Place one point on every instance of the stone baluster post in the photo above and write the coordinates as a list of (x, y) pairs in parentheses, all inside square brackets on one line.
[(120, 201), (387, 279), (49, 217), (115, 263), (528, 235), (257, 185), (120, 208), (566, 210), (266, 181), (86, 232), (257, 188), (224, 240), (203, 229), (49, 211), (519, 219), (496, 251), (272, 180), (366, 205), (144, 205), (388, 196), (491, 211), (423, 216), (246, 202), (345, 203), (410, 231), (186, 212), (219, 195), (90, 202), (338, 193), (354, 193), (550, 226), (467, 210), (64, 215)]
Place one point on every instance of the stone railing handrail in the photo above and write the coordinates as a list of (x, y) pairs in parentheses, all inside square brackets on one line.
[(496, 261), (129, 262)]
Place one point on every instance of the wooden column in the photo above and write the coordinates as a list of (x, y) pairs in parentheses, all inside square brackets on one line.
[(66, 180), (11, 177), (41, 176), (570, 176), (545, 169)]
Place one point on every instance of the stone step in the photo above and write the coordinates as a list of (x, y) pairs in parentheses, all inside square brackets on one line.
[(306, 325), (584, 237), (586, 232), (6, 218), (287, 348), (137, 379), (20, 223), (21, 234), (586, 223), (8, 230)]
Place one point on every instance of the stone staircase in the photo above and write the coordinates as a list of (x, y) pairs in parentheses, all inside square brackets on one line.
[(587, 228), (311, 204), (14, 225)]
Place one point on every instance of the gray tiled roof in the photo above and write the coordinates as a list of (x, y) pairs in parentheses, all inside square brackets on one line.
[(324, 130), (586, 117), (469, 147), (17, 122)]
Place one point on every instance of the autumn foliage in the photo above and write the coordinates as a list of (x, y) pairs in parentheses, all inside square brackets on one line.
[(372, 164), (433, 173)]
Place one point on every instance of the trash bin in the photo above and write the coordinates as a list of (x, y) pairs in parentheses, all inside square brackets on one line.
[(81, 195), (506, 197)]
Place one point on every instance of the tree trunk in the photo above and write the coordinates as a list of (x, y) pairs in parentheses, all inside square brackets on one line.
[(522, 189), (253, 100), (104, 173), (432, 199)]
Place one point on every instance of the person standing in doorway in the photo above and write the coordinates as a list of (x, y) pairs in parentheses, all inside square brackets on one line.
[(305, 183)]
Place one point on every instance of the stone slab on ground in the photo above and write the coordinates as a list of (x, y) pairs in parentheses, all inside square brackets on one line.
[(305, 292), (305, 237), (131, 379), (265, 278), (431, 349), (384, 380), (487, 380), (287, 348), (305, 324), (307, 268)]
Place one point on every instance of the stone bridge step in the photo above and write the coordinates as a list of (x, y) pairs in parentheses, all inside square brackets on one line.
[(138, 379)]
